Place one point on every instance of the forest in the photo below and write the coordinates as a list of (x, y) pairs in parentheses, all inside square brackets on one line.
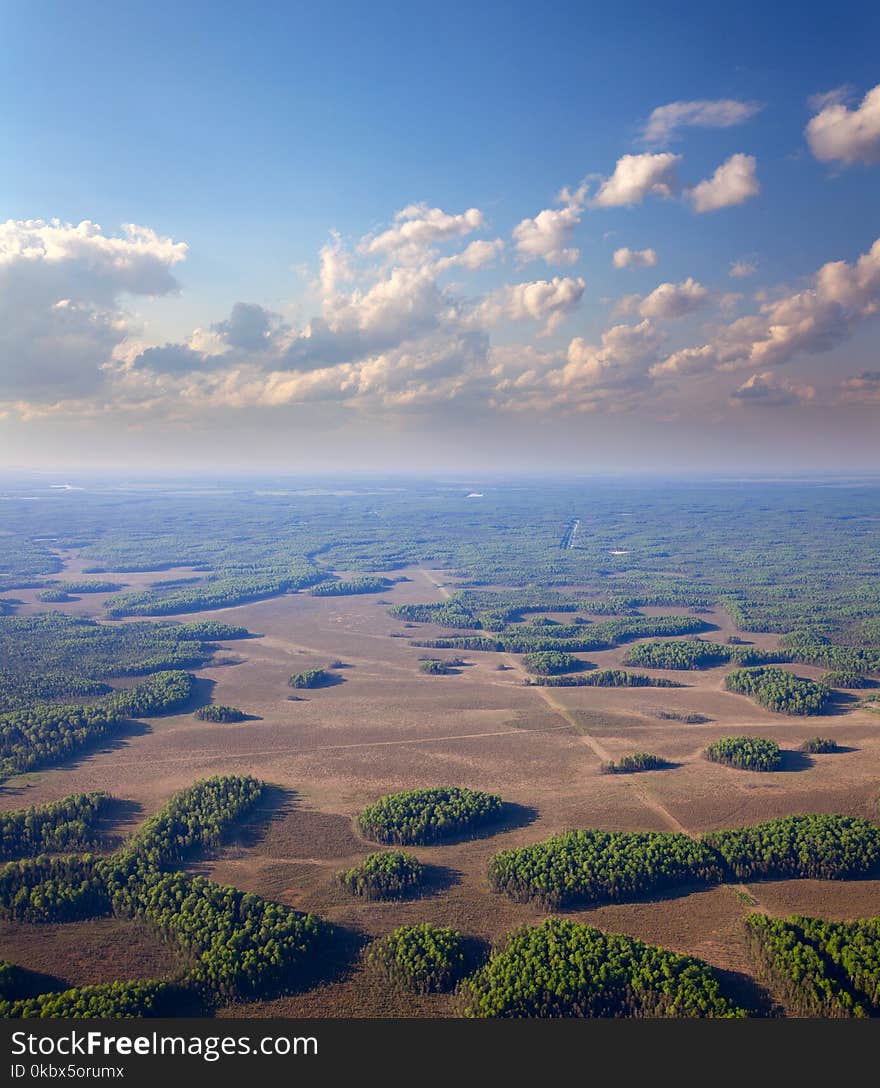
[(603, 678), (387, 874), (232, 944), (194, 819), (68, 824), (563, 969), (421, 958), (779, 690), (590, 866), (48, 733), (581, 867), (791, 559), (823, 969), (425, 816), (219, 712), (745, 753), (111, 1000)]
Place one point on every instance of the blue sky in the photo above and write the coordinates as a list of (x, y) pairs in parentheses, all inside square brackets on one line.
[(250, 133)]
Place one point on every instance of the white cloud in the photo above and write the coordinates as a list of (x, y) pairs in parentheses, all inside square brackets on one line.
[(766, 390), (814, 320), (634, 258), (548, 235), (549, 301), (417, 228), (665, 121), (61, 286), (335, 265), (734, 182), (671, 300), (474, 256), (637, 176), (838, 134), (249, 327), (609, 375), (740, 270)]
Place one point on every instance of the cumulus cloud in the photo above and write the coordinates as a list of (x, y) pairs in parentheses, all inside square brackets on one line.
[(671, 300), (634, 258), (548, 301), (814, 320), (740, 270), (548, 235), (335, 266), (839, 134), (399, 306), (608, 375), (638, 176), (61, 286), (417, 228), (734, 182), (767, 390), (473, 256), (665, 121), (249, 327)]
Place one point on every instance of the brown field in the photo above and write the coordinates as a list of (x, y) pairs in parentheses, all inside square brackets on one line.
[(387, 727)]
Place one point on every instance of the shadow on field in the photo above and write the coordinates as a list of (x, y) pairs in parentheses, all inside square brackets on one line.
[(275, 804), (841, 702), (116, 821), (113, 743), (748, 993), (513, 816), (438, 879), (795, 761), (202, 694), (30, 983)]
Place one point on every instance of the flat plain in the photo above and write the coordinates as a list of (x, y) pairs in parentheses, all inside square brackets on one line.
[(385, 726)]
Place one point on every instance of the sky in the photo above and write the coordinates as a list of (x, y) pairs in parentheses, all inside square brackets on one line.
[(405, 236)]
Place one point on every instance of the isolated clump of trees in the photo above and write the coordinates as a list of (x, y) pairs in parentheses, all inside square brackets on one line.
[(638, 761), (819, 746), (311, 678), (563, 969), (433, 666), (746, 753), (421, 958), (387, 874), (428, 815), (821, 969), (220, 713), (779, 690), (68, 824)]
